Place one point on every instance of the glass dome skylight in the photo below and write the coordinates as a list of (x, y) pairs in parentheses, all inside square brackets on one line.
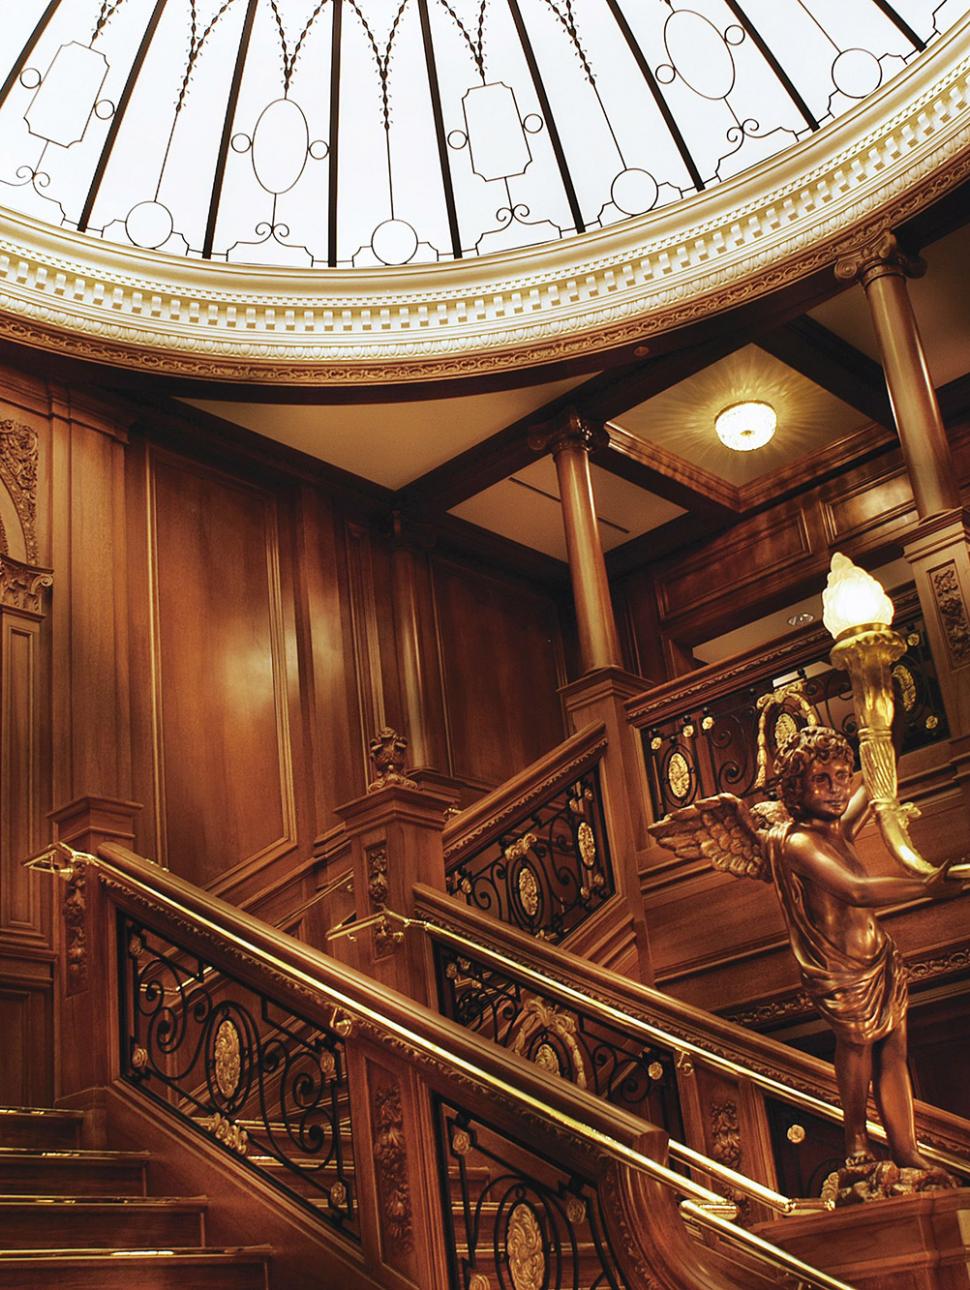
[(361, 133)]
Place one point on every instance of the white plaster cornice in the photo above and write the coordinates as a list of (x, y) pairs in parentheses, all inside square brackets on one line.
[(893, 155)]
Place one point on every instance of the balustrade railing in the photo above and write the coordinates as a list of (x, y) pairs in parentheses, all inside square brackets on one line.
[(700, 733), (300, 1067), (687, 1070), (535, 853)]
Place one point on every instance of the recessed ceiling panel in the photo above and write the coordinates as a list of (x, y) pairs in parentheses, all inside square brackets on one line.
[(369, 133), (681, 419), (389, 443), (526, 508)]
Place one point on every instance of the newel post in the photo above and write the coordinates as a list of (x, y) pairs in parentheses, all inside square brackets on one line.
[(390, 839), (87, 984)]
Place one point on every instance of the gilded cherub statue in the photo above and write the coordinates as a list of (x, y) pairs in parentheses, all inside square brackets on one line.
[(850, 966)]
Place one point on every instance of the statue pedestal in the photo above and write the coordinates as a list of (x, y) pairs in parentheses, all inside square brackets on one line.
[(919, 1242)]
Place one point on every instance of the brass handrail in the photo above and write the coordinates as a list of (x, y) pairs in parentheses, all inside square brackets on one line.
[(617, 1016), (174, 896)]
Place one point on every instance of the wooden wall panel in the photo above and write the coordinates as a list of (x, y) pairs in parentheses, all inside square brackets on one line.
[(224, 786), (501, 665), (26, 1024)]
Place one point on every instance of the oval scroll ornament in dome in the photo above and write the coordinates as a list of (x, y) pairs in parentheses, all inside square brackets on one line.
[(336, 186), (281, 145)]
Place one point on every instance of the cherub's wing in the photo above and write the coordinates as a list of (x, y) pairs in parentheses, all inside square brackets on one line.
[(720, 830)]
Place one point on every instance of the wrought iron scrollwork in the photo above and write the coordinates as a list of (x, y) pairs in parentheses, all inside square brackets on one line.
[(713, 749), (549, 870), (563, 1040), (249, 1073), (517, 1222)]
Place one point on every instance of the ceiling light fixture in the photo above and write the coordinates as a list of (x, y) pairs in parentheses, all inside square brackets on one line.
[(746, 426), (800, 619)]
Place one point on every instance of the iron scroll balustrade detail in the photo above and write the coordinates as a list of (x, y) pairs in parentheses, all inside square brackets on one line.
[(266, 1084), (712, 748), (564, 1040), (549, 870), (516, 1220)]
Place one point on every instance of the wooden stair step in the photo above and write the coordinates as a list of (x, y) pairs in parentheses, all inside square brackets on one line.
[(240, 1268), (39, 1127), (27, 1222), (72, 1172)]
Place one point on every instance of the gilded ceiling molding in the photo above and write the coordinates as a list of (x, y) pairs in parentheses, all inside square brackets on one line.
[(895, 154)]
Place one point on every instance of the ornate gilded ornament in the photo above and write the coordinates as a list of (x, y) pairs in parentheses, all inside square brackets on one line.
[(328, 1065), (524, 1249), (656, 743), (528, 890), (520, 847), (338, 1195), (576, 1210), (796, 1134), (907, 685), (678, 775), (546, 1058), (460, 1141), (785, 730), (139, 1058), (655, 1070), (228, 1058), (391, 1162), (479, 1281), (586, 841), (230, 1134), (341, 1022)]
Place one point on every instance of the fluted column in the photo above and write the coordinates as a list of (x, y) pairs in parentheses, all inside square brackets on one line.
[(571, 442), (938, 548)]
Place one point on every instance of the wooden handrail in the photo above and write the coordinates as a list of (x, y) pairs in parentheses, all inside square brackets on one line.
[(325, 990), (782, 1071), (481, 822)]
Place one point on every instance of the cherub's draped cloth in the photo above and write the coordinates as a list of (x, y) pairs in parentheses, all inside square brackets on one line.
[(862, 999)]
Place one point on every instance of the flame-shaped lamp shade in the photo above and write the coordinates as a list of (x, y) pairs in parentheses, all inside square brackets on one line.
[(746, 426), (853, 598)]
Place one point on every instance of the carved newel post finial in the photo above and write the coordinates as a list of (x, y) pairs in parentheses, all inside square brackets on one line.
[(388, 751)]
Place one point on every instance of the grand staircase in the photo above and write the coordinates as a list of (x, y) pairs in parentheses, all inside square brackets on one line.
[(78, 1216)]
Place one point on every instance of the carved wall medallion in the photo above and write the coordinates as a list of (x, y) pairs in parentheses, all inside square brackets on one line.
[(524, 1249), (21, 585), (528, 890), (74, 911), (953, 612), (18, 471), (228, 1058), (391, 1162), (377, 887), (678, 775)]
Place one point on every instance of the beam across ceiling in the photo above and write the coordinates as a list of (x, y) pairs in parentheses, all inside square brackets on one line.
[(821, 356)]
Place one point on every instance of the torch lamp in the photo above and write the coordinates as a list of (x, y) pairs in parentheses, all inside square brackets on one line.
[(859, 614)]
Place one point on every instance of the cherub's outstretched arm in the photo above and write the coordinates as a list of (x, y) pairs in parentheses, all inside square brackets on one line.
[(814, 859), (857, 813)]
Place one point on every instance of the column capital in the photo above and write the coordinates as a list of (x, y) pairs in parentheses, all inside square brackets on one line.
[(876, 257), (22, 585), (569, 430)]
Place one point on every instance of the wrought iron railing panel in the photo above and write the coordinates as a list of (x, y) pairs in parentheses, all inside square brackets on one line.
[(549, 870), (713, 748), (265, 1083), (515, 1218), (565, 1040)]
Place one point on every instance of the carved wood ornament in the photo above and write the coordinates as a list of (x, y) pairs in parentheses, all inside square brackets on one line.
[(953, 612), (391, 1163), (18, 471)]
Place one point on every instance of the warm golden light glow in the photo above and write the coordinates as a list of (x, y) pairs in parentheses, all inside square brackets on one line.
[(853, 598), (746, 426)]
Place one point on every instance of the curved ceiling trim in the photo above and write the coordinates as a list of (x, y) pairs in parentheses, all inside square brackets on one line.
[(881, 163)]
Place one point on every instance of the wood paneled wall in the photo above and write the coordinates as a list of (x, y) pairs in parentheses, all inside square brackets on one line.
[(219, 647), (768, 559)]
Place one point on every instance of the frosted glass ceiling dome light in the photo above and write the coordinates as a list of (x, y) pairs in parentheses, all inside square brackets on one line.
[(853, 598), (746, 426)]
